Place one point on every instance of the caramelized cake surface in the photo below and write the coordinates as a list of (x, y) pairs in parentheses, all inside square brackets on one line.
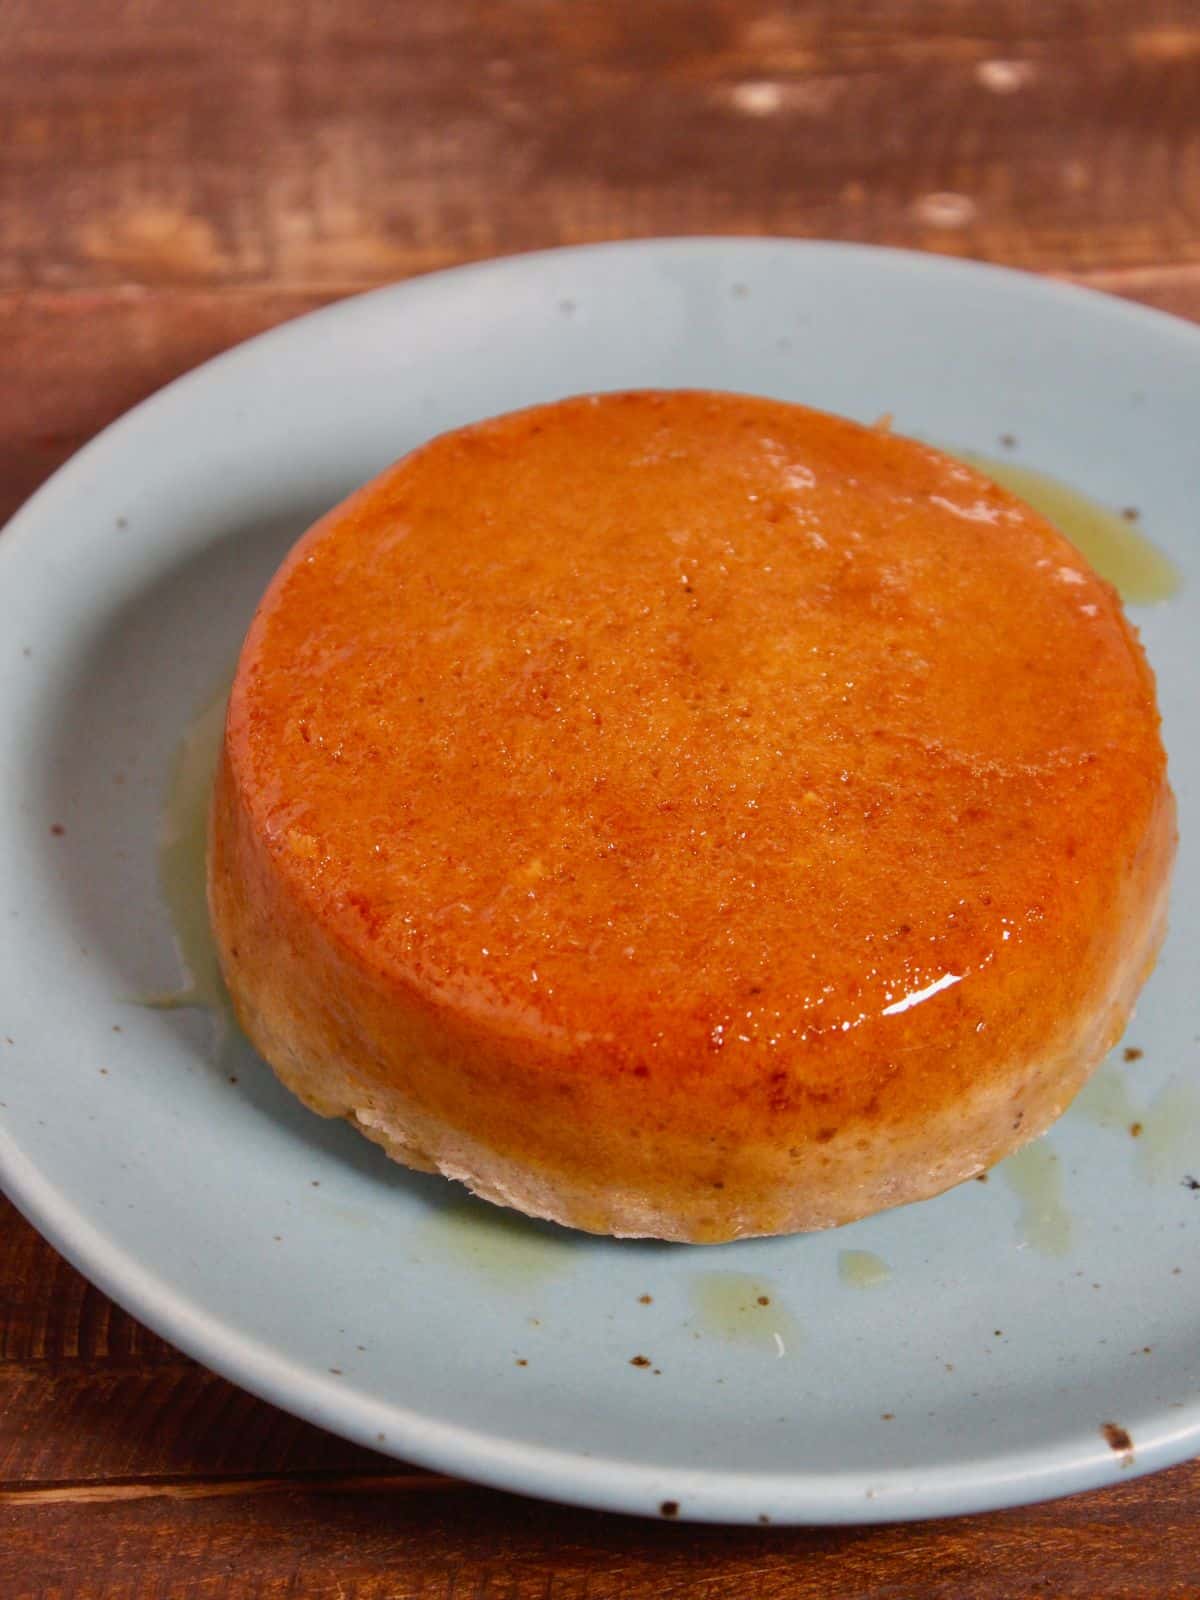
[(690, 815)]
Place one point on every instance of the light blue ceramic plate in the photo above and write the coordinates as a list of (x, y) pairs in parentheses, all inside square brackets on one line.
[(286, 1252)]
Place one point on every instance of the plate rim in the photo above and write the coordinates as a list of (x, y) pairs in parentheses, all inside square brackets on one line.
[(476, 1454)]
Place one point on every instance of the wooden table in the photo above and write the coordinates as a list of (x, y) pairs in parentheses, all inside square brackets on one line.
[(178, 174)]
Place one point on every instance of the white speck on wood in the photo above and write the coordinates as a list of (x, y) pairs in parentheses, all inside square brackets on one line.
[(945, 209), (1004, 77), (756, 99)]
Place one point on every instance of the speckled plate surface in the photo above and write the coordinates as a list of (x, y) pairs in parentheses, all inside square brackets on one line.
[(1011, 1340)]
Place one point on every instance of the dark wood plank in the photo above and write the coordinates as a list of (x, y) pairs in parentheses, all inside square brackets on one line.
[(92, 1423), (331, 144), (363, 1540)]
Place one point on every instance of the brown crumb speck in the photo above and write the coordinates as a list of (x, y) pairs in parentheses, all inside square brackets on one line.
[(337, 1371), (645, 1300), (1008, 441), (1135, 1130), (669, 1508), (1132, 1053), (57, 829), (763, 1518), (981, 1177), (887, 1416), (1117, 1438), (1131, 513), (521, 1362), (639, 1361), (764, 1299)]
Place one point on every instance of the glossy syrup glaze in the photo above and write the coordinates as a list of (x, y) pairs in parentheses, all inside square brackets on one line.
[(1112, 542), (181, 863), (746, 1311), (1035, 1175)]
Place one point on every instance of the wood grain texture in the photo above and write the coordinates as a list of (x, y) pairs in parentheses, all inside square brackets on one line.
[(335, 142), (366, 1538), (176, 177)]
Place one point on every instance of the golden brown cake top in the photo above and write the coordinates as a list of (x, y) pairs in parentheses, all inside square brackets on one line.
[(696, 726)]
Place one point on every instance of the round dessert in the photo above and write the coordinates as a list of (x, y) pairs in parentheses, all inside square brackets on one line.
[(689, 815)]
